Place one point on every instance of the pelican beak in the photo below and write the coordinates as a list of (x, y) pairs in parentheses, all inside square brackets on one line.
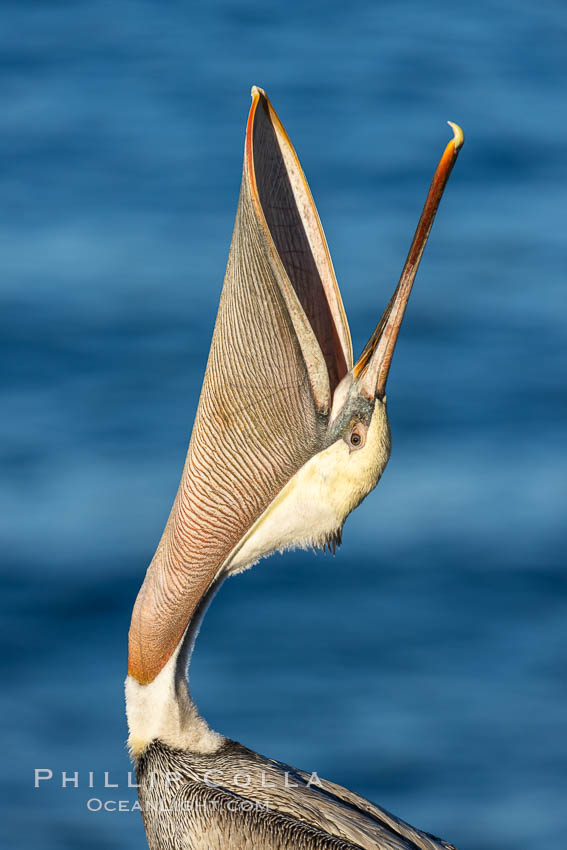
[(371, 370), (287, 223)]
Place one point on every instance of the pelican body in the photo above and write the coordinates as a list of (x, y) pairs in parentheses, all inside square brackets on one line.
[(289, 437)]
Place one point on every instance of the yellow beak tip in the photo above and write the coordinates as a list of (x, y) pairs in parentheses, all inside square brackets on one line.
[(458, 135)]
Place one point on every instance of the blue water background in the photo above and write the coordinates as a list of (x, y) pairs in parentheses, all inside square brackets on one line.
[(424, 666)]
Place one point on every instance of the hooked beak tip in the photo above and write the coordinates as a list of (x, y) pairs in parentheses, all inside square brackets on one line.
[(458, 135)]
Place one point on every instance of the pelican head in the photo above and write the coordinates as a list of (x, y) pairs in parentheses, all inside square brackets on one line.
[(290, 433)]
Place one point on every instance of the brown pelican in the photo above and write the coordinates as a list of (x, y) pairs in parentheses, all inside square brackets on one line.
[(289, 437)]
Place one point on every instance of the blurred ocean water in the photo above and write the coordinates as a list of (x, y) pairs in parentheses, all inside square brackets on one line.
[(425, 665)]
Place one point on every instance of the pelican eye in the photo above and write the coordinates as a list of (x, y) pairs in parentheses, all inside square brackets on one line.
[(357, 436)]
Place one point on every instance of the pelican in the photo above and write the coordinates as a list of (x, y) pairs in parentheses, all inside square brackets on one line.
[(290, 435)]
